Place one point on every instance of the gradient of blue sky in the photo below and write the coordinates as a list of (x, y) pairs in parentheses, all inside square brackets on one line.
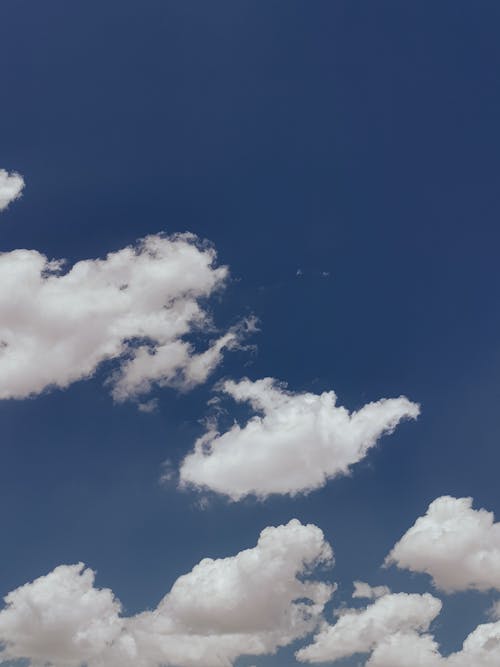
[(356, 138)]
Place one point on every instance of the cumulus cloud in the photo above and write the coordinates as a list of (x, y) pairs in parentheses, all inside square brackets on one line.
[(294, 443), (361, 631), (480, 649), (137, 306), (406, 649), (60, 618), (248, 604), (364, 590), (394, 631), (11, 186), (459, 547)]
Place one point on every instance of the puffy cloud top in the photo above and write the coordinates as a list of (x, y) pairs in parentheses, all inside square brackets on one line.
[(411, 649), (250, 603), (294, 443), (394, 631), (137, 306), (11, 186), (458, 546), (361, 631), (60, 618)]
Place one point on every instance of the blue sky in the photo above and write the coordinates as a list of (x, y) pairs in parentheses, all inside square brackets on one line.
[(343, 159)]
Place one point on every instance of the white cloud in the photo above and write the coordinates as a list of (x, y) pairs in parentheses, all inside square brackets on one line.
[(11, 186), (294, 443), (459, 547), (148, 406), (248, 604), (136, 306), (60, 618), (361, 631), (364, 590), (406, 649), (394, 631), (480, 649)]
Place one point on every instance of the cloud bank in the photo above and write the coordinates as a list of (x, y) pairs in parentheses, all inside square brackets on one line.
[(294, 443), (248, 604), (136, 307), (253, 603), (11, 186), (459, 547)]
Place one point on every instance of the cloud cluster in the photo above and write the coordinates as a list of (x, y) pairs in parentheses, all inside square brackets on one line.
[(143, 309), (11, 186), (294, 443), (220, 610), (252, 603), (136, 306), (459, 547), (394, 631)]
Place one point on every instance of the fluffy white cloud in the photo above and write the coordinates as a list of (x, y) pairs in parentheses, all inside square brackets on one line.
[(480, 649), (136, 306), (251, 603), (406, 649), (364, 590), (11, 186), (361, 631), (394, 631), (294, 443), (457, 545), (60, 618)]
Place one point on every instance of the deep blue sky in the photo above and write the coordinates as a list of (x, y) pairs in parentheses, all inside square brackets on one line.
[(352, 137)]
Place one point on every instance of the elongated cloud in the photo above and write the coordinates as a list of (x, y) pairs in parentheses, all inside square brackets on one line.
[(248, 604), (135, 306), (361, 631), (11, 186), (394, 631), (294, 443), (459, 547)]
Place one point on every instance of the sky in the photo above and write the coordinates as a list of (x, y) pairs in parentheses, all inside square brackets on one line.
[(277, 316)]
